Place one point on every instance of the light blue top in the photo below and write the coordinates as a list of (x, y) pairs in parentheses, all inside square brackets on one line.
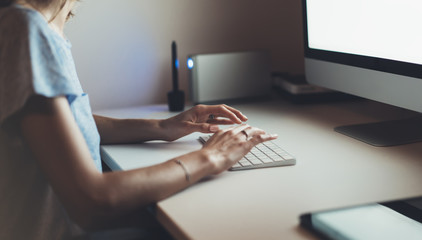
[(35, 60), (42, 64)]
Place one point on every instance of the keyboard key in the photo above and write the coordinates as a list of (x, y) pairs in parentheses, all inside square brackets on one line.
[(286, 156), (245, 163), (236, 165), (278, 158), (255, 151), (255, 161), (266, 160)]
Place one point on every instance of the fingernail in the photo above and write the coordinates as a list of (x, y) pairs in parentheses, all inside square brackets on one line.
[(274, 135), (214, 128)]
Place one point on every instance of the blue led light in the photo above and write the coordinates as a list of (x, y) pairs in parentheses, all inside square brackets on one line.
[(177, 63), (190, 63)]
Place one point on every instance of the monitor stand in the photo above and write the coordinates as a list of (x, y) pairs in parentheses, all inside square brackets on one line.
[(388, 133)]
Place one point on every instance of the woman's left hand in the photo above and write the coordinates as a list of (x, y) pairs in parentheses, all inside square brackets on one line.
[(201, 118)]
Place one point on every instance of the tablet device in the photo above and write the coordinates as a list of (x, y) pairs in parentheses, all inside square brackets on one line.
[(401, 219)]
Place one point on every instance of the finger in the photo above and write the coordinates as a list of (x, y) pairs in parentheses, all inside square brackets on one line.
[(260, 138), (221, 121), (252, 131), (238, 113), (203, 127), (222, 111), (228, 128), (238, 129)]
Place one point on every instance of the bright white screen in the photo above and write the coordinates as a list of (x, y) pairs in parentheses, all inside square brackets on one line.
[(388, 29)]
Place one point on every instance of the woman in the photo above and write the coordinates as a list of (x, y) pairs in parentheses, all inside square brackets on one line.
[(50, 174)]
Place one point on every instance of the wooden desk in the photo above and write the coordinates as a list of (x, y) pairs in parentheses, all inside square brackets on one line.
[(332, 171)]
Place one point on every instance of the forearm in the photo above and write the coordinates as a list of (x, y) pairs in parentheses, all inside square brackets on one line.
[(147, 185), (128, 130), (129, 190)]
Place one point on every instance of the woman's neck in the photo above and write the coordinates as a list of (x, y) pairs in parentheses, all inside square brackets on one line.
[(55, 20)]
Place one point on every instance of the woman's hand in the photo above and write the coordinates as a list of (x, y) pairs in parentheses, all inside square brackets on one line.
[(228, 146), (201, 118)]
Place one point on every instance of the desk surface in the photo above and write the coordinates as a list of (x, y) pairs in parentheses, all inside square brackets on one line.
[(332, 170)]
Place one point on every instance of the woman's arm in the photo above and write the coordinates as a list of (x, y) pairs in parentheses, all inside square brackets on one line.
[(95, 200), (128, 130), (195, 119)]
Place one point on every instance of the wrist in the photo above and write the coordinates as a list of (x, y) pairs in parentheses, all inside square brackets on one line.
[(207, 159), (162, 130), (196, 165)]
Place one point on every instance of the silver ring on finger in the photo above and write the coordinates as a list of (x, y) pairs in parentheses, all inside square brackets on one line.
[(246, 134)]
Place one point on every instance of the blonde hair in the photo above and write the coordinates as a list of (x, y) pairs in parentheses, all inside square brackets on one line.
[(41, 4)]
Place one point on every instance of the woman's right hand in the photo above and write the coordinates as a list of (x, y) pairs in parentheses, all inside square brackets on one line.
[(226, 147)]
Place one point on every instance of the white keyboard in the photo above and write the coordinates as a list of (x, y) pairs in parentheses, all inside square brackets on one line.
[(263, 155)]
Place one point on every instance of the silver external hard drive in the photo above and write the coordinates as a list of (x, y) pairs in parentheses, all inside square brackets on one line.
[(229, 76)]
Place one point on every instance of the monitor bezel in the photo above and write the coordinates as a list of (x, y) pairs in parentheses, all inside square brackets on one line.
[(373, 63)]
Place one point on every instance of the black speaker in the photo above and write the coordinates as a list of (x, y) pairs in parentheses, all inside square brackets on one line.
[(176, 101), (176, 98)]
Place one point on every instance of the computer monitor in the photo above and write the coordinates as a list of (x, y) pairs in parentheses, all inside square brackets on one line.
[(372, 49)]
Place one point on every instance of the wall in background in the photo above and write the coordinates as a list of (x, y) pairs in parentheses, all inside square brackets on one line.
[(122, 48)]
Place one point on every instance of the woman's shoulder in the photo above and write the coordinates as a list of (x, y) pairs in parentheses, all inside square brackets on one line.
[(15, 20)]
